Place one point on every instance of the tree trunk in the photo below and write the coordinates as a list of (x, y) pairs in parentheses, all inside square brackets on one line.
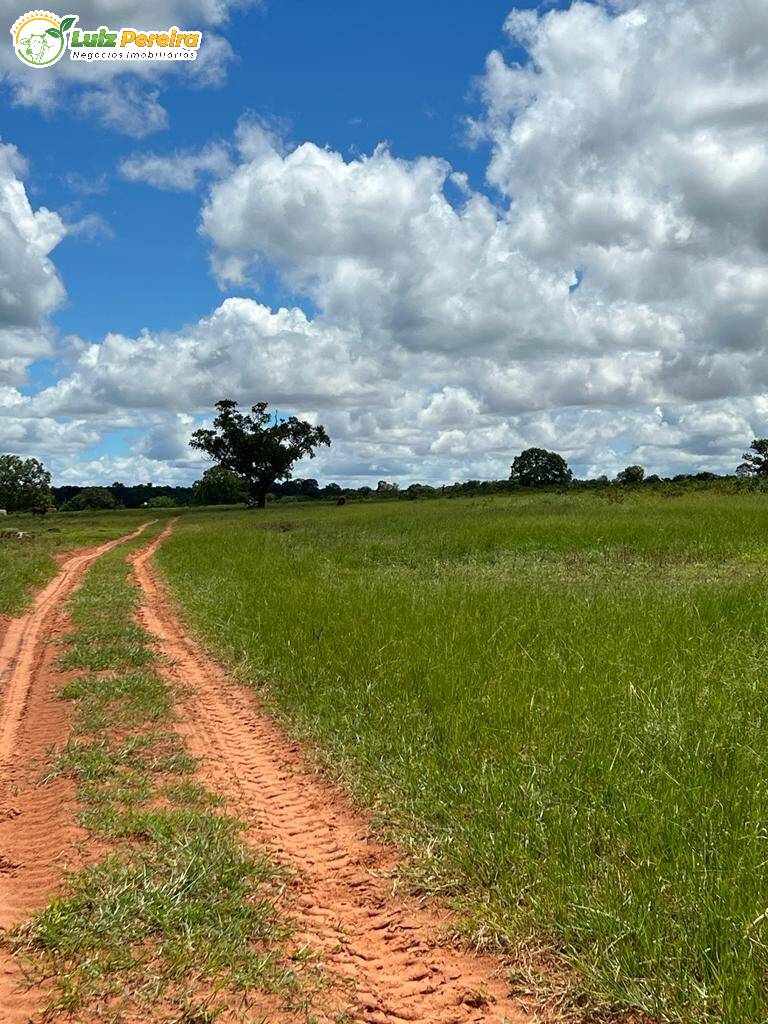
[(258, 491)]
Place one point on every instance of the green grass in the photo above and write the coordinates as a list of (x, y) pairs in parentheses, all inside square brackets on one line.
[(29, 563), (180, 919), (558, 702)]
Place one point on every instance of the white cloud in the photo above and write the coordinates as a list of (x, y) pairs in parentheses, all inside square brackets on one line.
[(385, 416), (30, 288), (179, 172)]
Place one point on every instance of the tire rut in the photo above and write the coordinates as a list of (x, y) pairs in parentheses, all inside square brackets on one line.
[(379, 948), (39, 836)]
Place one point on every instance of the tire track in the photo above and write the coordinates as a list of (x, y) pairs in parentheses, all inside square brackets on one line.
[(21, 652), (379, 948), (39, 837)]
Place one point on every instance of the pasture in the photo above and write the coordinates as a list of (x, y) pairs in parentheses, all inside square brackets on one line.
[(556, 702)]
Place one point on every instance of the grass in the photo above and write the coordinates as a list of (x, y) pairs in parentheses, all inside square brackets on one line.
[(180, 919), (558, 703), (29, 563)]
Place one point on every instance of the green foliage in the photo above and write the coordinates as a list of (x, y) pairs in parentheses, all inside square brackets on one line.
[(257, 447), (161, 501), (557, 703), (91, 498), (630, 476), (756, 459), (536, 467), (219, 486), (24, 484)]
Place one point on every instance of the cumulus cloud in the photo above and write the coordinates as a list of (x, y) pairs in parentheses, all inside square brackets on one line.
[(126, 97), (617, 156), (386, 414), (30, 287)]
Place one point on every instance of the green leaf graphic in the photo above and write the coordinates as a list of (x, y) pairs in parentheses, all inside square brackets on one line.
[(53, 32), (67, 23)]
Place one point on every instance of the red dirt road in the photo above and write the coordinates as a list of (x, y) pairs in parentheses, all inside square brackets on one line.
[(39, 836), (378, 948)]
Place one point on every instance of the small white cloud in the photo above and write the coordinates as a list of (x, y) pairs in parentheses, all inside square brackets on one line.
[(181, 171)]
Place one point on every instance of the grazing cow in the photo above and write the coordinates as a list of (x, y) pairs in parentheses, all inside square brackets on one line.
[(3, 512), (342, 500), (39, 510)]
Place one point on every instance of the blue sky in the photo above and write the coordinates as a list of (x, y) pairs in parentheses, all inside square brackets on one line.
[(559, 245)]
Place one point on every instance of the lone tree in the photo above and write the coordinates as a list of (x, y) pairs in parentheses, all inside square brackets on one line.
[(24, 484), (536, 467), (756, 459), (258, 447), (630, 475)]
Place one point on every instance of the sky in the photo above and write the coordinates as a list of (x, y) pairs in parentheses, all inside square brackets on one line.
[(447, 232)]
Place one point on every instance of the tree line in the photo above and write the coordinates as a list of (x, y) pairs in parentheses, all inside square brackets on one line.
[(254, 455)]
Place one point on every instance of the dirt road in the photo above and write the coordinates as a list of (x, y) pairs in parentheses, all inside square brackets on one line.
[(378, 947), (39, 836)]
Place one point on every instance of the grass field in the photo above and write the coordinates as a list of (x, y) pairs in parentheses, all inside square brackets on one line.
[(559, 702), (29, 563)]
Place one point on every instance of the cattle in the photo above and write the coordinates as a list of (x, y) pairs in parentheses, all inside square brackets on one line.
[(3, 512), (39, 510), (341, 501)]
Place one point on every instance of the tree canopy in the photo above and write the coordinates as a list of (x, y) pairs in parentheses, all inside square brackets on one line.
[(630, 475), (259, 447), (536, 467), (24, 484), (756, 459), (92, 498), (219, 486)]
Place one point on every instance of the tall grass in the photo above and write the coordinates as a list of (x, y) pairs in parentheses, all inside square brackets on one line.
[(560, 703)]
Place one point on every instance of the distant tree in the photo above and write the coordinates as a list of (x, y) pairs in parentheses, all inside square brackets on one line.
[(91, 498), (258, 447), (536, 467), (756, 459), (414, 491), (219, 486), (385, 489), (331, 491), (630, 475), (160, 501), (24, 484), (120, 493)]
